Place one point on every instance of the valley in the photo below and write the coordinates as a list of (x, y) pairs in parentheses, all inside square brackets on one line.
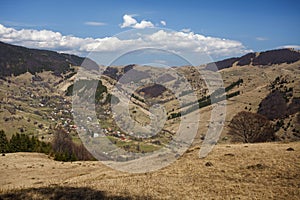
[(123, 107)]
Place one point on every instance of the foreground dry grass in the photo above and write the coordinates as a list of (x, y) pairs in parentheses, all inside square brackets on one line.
[(240, 171)]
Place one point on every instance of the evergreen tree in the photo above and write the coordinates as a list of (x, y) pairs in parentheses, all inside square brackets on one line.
[(14, 144), (3, 142)]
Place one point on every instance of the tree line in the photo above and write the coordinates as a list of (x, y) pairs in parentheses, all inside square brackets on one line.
[(217, 96), (62, 147), (22, 143)]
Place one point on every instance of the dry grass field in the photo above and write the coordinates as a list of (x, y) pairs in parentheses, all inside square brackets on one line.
[(230, 171)]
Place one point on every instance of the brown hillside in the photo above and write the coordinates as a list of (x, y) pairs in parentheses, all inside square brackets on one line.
[(256, 171)]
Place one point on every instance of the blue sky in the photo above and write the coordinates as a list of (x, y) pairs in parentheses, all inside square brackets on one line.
[(256, 25)]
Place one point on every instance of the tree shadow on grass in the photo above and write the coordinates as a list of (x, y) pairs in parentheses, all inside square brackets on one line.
[(61, 193)]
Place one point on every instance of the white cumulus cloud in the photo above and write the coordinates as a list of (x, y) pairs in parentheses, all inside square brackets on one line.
[(143, 24), (289, 47), (186, 30), (164, 23), (185, 44), (129, 21)]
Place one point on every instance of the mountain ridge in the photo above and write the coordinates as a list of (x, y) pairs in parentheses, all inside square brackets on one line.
[(264, 58), (17, 60)]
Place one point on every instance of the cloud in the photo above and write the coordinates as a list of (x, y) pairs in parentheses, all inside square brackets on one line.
[(129, 21), (143, 24), (261, 38), (95, 23), (164, 23), (186, 30), (44, 39), (185, 44), (289, 47)]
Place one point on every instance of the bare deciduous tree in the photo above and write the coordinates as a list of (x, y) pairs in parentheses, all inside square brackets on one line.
[(66, 150), (251, 127), (62, 142), (82, 153)]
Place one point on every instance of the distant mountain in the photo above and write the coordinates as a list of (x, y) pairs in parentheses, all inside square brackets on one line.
[(17, 60), (39, 102), (272, 57)]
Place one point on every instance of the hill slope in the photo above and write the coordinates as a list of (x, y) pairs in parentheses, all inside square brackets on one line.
[(36, 104), (18, 60), (267, 58), (256, 171)]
